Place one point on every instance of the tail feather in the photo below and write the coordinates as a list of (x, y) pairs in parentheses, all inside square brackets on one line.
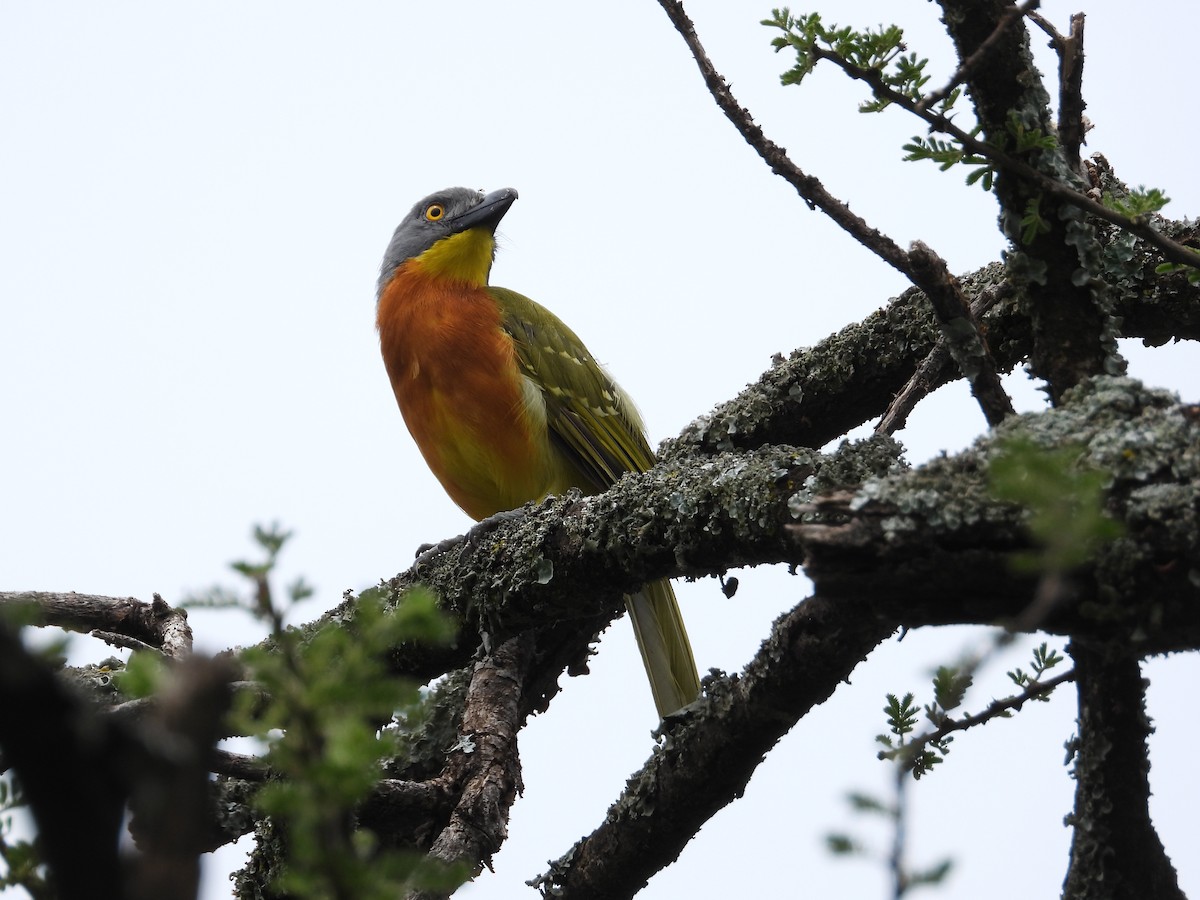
[(663, 642)]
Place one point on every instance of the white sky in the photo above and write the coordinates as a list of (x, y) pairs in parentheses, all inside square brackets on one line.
[(194, 199)]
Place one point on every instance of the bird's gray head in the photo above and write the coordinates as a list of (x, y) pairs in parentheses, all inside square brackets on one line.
[(443, 216)]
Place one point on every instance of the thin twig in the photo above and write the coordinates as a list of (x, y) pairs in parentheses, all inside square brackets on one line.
[(963, 338), (996, 708), (1138, 225), (925, 378), (1071, 125), (972, 62), (808, 187), (124, 641), (925, 270)]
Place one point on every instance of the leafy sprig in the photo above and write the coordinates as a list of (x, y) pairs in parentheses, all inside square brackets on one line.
[(920, 753), (325, 696), (878, 51)]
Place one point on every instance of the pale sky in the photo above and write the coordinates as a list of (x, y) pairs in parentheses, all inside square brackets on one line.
[(194, 199)]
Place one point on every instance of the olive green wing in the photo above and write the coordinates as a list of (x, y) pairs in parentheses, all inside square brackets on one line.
[(600, 434), (591, 420)]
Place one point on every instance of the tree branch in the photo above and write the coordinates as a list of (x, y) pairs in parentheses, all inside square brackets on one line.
[(1169, 249), (1115, 852), (971, 64), (485, 763), (960, 333), (709, 756), (154, 624), (924, 380), (1071, 125), (814, 395)]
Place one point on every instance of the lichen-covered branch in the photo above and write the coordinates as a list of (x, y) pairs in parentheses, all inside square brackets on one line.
[(921, 541), (1116, 853), (816, 394), (572, 559), (920, 550), (960, 332), (709, 755), (484, 763), (1058, 259)]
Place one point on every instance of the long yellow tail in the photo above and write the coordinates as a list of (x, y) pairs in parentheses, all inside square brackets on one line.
[(666, 650)]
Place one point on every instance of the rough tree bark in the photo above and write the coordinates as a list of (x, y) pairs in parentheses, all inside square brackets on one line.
[(886, 547)]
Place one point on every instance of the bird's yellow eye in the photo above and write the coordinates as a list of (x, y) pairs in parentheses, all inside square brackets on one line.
[(434, 211)]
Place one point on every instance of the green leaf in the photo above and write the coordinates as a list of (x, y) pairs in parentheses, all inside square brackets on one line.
[(843, 845), (901, 714), (1032, 222), (1140, 201), (1168, 268), (950, 686), (142, 675), (1064, 498), (865, 803)]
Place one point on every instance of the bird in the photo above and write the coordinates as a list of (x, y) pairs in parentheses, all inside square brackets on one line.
[(505, 402)]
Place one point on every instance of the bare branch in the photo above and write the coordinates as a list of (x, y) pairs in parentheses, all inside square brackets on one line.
[(485, 763), (155, 624), (961, 333), (925, 379)]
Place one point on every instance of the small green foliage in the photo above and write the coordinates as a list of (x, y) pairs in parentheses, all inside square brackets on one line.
[(879, 58), (23, 863), (948, 154), (1065, 500), (949, 687), (323, 704), (932, 876), (1026, 139), (876, 55), (329, 694), (1193, 273), (902, 721), (1044, 659), (843, 845), (271, 539), (901, 715), (1139, 202), (1032, 222), (865, 803), (142, 675)]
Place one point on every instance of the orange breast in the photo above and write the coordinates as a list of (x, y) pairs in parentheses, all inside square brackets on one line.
[(455, 378)]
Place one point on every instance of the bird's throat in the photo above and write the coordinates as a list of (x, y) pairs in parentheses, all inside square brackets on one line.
[(465, 257)]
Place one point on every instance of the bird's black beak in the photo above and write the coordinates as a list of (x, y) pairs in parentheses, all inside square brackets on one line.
[(488, 213)]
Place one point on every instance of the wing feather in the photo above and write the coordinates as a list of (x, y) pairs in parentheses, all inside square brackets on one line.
[(591, 419)]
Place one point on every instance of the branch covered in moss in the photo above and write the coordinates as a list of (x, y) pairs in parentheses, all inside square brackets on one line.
[(922, 542), (1116, 853), (816, 394), (710, 753)]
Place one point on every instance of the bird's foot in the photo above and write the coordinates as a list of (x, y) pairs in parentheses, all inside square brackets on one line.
[(473, 537)]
